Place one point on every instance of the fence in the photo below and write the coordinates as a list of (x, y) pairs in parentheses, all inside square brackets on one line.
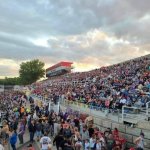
[(134, 114), (148, 110), (131, 115)]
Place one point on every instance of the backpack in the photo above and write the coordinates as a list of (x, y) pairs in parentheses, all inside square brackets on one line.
[(67, 133)]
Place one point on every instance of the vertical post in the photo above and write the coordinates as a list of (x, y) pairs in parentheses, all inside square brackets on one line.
[(123, 113), (118, 116), (147, 108)]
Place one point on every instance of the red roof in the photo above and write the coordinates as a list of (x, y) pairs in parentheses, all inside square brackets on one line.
[(63, 63)]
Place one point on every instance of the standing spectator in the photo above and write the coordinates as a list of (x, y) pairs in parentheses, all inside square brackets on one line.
[(45, 141), (98, 144), (13, 139), (38, 130), (110, 142), (21, 132), (32, 130), (46, 127), (91, 131), (1, 146), (58, 139), (56, 128), (93, 143), (87, 145), (85, 135), (22, 110), (140, 142), (66, 145), (67, 132), (51, 123)]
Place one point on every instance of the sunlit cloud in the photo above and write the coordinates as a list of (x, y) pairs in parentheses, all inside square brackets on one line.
[(89, 34)]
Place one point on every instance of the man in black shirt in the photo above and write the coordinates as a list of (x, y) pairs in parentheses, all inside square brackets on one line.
[(58, 139), (32, 129), (91, 131)]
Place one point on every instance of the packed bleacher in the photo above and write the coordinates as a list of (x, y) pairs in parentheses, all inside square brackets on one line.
[(127, 83)]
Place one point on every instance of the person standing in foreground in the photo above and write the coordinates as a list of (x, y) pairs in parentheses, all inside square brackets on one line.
[(13, 139), (45, 142), (58, 140), (140, 142), (1, 146), (32, 129), (21, 132)]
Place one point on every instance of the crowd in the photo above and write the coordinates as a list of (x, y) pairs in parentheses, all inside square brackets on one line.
[(110, 87), (12, 119), (65, 130)]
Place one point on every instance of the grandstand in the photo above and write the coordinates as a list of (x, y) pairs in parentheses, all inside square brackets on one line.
[(115, 96), (121, 84), (60, 68)]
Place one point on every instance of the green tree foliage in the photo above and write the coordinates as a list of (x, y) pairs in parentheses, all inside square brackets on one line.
[(10, 81), (31, 71)]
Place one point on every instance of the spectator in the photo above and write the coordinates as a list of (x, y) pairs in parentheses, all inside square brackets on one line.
[(21, 132), (38, 127), (32, 129), (45, 141), (140, 142), (13, 139), (58, 139), (1, 146)]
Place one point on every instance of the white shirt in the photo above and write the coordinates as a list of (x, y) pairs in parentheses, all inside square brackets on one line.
[(123, 101), (92, 142), (34, 116), (98, 146), (141, 143), (1, 147), (45, 140), (103, 141), (28, 118), (87, 146)]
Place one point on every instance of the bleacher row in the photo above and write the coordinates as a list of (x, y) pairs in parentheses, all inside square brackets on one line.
[(109, 87)]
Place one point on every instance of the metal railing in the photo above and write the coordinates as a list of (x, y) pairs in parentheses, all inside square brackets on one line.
[(47, 101), (147, 108), (129, 114), (135, 114), (93, 110)]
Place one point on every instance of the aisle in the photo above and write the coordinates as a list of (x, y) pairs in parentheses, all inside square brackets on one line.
[(26, 143)]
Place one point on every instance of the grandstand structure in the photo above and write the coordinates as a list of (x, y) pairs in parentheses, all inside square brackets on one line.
[(115, 96), (126, 81), (58, 69)]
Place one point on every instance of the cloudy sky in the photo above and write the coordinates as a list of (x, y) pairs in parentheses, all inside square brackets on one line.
[(90, 33)]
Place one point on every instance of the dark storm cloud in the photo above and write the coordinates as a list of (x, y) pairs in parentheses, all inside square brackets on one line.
[(68, 27)]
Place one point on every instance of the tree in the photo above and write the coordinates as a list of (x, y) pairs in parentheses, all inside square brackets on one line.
[(10, 81), (31, 71)]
